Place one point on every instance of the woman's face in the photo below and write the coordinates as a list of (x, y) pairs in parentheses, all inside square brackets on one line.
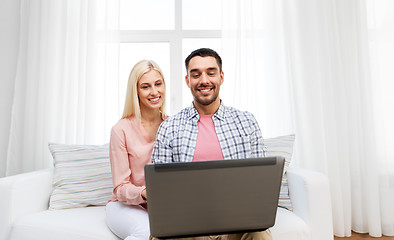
[(151, 90)]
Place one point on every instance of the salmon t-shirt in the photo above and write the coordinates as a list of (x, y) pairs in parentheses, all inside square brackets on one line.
[(207, 146)]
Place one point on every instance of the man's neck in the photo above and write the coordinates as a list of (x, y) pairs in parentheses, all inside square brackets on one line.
[(207, 109)]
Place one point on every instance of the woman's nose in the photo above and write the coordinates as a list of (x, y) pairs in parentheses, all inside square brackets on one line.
[(154, 91)]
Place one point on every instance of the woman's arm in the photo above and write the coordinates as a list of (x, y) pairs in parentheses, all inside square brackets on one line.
[(124, 190)]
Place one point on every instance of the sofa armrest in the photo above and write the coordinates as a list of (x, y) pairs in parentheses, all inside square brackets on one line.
[(23, 194), (311, 199)]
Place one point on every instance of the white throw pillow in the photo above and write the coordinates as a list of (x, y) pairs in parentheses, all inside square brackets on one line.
[(281, 146), (82, 176)]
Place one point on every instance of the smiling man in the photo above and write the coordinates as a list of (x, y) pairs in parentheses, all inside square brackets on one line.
[(204, 79), (209, 130)]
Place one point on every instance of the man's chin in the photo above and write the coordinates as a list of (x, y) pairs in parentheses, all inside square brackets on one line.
[(205, 102)]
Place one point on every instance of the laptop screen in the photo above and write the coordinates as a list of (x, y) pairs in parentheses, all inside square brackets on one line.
[(213, 197)]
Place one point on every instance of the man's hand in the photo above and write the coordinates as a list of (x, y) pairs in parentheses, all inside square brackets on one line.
[(143, 194)]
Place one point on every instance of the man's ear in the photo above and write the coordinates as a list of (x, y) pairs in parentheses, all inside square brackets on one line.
[(221, 78), (187, 81)]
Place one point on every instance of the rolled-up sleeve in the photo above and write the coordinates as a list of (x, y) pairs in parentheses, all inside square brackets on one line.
[(256, 138)]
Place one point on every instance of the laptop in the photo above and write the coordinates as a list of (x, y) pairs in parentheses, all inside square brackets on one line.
[(213, 197)]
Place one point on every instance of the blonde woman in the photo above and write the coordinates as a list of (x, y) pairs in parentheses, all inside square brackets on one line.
[(131, 148)]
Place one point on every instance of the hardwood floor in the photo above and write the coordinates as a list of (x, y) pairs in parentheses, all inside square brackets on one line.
[(361, 236)]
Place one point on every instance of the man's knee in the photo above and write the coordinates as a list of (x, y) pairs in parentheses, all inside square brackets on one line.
[(263, 235)]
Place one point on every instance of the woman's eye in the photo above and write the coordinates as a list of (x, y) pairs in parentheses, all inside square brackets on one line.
[(145, 87), (158, 84)]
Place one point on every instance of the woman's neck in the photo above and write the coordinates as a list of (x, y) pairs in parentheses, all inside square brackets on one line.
[(150, 116), (151, 121)]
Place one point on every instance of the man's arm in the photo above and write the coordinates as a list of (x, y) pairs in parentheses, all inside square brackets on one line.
[(256, 138), (162, 150)]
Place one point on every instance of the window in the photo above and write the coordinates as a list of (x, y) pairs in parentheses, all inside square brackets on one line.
[(166, 31)]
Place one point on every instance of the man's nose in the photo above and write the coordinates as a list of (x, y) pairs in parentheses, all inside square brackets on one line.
[(204, 78)]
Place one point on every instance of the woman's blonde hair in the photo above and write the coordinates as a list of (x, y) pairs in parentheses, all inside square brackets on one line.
[(132, 103)]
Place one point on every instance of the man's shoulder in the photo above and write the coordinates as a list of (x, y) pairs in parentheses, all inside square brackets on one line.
[(245, 121), (179, 117), (233, 112)]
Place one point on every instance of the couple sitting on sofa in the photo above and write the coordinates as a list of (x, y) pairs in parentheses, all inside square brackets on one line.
[(145, 133)]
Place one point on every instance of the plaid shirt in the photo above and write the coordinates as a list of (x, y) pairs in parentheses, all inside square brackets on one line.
[(238, 133)]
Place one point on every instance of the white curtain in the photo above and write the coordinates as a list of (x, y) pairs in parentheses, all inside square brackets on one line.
[(66, 87), (323, 69), (255, 76)]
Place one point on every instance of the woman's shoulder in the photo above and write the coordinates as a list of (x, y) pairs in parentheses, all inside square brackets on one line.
[(124, 123)]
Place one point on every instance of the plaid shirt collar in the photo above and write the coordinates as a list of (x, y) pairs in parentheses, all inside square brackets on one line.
[(220, 113), (238, 133)]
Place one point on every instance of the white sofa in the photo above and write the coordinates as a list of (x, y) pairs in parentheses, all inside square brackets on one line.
[(24, 211)]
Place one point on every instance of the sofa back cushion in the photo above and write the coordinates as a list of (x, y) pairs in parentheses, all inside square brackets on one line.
[(82, 176), (282, 146)]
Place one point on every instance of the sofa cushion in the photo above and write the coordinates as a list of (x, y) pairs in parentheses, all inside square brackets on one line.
[(82, 176), (77, 224), (289, 226), (282, 146), (89, 223)]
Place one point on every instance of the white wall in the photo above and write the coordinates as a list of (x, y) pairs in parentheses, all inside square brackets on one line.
[(9, 42)]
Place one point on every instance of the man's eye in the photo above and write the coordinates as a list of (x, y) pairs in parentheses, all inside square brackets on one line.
[(195, 75), (211, 74)]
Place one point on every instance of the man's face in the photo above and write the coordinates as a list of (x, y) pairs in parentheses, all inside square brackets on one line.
[(204, 79)]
